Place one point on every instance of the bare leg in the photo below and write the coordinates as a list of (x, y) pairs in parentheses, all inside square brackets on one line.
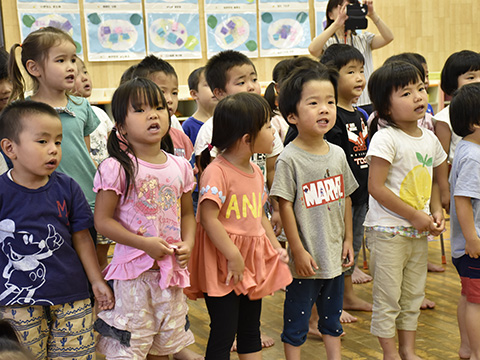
[(464, 351), (102, 253), (389, 348), (252, 356), (406, 345), (352, 301), (359, 277), (187, 354), (333, 347), (313, 323), (473, 329), (291, 352)]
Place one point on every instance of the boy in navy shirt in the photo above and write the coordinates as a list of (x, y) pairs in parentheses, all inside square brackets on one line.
[(46, 252)]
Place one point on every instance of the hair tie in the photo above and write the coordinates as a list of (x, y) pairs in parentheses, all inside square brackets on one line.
[(20, 45), (210, 147), (114, 129)]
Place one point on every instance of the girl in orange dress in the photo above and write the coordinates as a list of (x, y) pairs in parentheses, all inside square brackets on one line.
[(236, 260)]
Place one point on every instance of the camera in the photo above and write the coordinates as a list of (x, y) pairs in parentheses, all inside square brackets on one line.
[(356, 13)]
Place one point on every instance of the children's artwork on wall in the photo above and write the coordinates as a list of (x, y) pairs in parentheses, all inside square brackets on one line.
[(320, 16), (64, 15), (173, 29), (284, 27), (284, 33), (114, 31), (231, 25)]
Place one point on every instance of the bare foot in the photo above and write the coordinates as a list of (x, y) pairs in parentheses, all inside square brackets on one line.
[(427, 304), (435, 268), (187, 354), (267, 342), (346, 318), (313, 330), (359, 277), (355, 303)]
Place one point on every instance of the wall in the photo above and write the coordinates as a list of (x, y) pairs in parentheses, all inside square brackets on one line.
[(434, 28)]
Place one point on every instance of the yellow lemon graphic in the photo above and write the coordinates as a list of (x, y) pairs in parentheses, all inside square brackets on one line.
[(416, 188)]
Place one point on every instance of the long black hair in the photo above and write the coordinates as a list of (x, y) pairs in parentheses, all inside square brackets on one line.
[(133, 93)]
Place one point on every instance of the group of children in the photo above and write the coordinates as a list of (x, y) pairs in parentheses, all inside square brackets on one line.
[(142, 196)]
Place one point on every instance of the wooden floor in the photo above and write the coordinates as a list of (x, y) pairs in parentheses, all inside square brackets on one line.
[(437, 335)]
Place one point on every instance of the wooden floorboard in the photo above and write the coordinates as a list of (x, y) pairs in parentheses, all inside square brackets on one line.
[(437, 335)]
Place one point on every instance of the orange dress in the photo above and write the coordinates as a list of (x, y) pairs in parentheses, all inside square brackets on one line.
[(240, 197)]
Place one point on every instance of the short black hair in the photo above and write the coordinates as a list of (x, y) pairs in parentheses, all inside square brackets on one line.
[(292, 87), (151, 64), (3, 64), (340, 55), (218, 66), (194, 78), (464, 109), (458, 64), (410, 58), (11, 118)]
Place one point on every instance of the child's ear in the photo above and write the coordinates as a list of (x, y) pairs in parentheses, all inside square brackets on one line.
[(32, 68), (219, 93), (194, 94), (292, 118), (8, 148), (247, 139)]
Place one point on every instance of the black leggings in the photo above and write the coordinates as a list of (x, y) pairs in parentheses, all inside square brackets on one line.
[(229, 315)]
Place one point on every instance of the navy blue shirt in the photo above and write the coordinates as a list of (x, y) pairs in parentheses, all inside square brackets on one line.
[(40, 265)]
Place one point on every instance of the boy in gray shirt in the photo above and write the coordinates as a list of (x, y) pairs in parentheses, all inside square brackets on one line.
[(313, 183)]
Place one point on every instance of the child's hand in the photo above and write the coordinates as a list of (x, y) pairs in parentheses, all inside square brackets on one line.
[(472, 248), (283, 254), (304, 263), (103, 295), (182, 253), (157, 248), (236, 268), (276, 223), (445, 198), (348, 256), (438, 225), (421, 221)]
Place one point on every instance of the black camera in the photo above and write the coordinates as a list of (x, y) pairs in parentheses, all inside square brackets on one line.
[(357, 16)]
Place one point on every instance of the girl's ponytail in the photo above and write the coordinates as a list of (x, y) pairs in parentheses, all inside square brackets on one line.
[(15, 75), (205, 159), (271, 95)]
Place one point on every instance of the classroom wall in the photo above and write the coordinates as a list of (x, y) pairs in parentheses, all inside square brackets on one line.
[(434, 28)]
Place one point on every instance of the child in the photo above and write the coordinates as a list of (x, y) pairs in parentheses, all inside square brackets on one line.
[(98, 145), (318, 224), (404, 206), (47, 253), (464, 214), (5, 83), (461, 68), (237, 259), (5, 91), (163, 74), (205, 100), (350, 133), (10, 347), (48, 56), (365, 42), (144, 204)]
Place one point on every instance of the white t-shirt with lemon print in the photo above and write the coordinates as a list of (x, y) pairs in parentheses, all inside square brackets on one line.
[(410, 176)]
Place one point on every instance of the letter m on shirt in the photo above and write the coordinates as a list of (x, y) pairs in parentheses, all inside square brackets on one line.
[(323, 191)]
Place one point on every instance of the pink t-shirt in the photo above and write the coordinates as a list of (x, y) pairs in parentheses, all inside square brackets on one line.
[(151, 209)]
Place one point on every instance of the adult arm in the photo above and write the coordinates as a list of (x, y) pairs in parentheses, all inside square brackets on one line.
[(386, 35)]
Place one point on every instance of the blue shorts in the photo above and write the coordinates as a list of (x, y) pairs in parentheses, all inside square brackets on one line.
[(469, 271), (301, 294)]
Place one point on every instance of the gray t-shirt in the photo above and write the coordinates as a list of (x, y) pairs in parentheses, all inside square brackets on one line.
[(317, 185), (464, 181)]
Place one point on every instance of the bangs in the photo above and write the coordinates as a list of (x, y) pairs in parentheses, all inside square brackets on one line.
[(404, 74), (147, 95)]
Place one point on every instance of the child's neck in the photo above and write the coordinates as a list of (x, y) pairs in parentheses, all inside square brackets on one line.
[(239, 158), (54, 98), (202, 114), (346, 104), (27, 180), (152, 154), (313, 145), (474, 137), (410, 128)]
